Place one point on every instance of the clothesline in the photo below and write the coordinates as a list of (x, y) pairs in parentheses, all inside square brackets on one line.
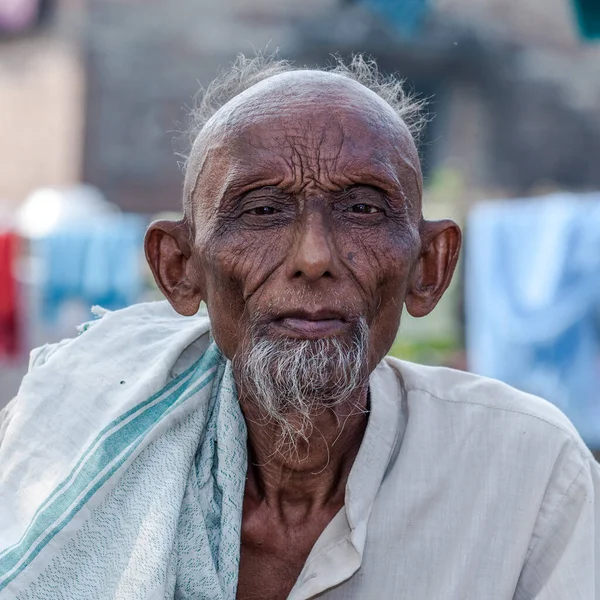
[(95, 261)]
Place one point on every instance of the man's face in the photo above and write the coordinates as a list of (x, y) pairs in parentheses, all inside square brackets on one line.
[(303, 225), (306, 212)]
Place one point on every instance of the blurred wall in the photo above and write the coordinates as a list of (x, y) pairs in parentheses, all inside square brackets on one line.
[(541, 89), (41, 116), (514, 90), (145, 62)]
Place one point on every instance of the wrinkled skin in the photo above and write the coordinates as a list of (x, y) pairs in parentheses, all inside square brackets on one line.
[(302, 198)]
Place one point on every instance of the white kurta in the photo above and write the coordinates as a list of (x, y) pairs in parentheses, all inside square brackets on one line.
[(463, 488)]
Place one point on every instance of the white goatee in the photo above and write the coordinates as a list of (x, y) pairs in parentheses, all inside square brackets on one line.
[(292, 381)]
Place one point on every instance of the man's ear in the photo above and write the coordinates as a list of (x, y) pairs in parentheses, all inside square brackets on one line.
[(440, 246), (168, 252)]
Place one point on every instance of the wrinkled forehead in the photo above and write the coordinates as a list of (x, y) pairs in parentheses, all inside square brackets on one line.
[(314, 126)]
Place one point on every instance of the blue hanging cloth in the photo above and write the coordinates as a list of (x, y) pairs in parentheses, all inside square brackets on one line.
[(588, 16), (406, 17), (532, 298), (96, 262)]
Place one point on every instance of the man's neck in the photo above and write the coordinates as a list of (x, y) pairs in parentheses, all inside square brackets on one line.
[(314, 476)]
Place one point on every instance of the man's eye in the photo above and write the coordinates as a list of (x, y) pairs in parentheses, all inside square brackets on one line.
[(364, 209), (262, 211)]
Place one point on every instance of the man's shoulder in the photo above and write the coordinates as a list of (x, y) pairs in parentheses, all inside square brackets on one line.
[(124, 334), (488, 402), (146, 342)]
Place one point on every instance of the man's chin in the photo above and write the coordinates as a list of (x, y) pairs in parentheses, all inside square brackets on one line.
[(291, 379)]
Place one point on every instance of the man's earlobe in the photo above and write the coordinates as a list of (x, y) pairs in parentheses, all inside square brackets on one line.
[(168, 252), (440, 247)]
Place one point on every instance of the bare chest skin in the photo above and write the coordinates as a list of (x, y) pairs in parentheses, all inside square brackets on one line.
[(274, 550)]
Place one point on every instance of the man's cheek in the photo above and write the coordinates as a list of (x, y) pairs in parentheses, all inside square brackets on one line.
[(376, 265), (255, 262)]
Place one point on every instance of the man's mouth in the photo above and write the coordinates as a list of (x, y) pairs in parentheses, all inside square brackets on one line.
[(310, 325)]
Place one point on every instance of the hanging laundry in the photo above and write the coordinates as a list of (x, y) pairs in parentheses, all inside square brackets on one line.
[(10, 321), (406, 17), (588, 16), (532, 299), (96, 262)]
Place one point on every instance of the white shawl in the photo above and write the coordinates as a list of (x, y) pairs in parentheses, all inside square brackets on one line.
[(122, 465)]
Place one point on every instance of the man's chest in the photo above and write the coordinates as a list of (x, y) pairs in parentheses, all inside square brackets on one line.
[(267, 575), (273, 555)]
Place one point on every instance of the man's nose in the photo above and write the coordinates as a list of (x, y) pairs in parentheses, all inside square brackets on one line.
[(313, 254)]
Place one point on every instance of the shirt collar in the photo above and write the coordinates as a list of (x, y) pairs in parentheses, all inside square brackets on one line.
[(382, 439)]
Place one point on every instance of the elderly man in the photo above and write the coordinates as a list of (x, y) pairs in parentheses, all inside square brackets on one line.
[(278, 453)]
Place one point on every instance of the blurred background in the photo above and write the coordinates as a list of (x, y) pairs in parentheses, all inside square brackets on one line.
[(94, 95)]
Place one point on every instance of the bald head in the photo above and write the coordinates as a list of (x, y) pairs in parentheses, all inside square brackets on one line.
[(331, 112)]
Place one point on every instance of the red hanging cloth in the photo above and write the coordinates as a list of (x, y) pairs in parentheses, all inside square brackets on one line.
[(9, 309)]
